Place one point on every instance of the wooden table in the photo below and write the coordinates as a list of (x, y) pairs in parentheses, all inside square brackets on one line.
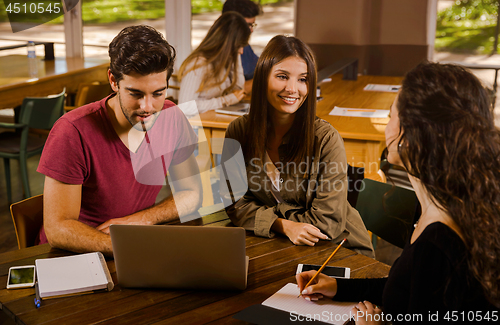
[(364, 138), (272, 264), (53, 76)]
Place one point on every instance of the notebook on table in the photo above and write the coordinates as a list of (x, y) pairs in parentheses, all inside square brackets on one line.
[(285, 307), (235, 109), (183, 257), (69, 275)]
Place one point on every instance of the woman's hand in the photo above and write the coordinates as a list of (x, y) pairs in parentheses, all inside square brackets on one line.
[(240, 94), (365, 308), (322, 286), (299, 233)]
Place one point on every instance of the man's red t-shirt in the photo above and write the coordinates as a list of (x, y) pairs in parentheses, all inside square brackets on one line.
[(83, 148)]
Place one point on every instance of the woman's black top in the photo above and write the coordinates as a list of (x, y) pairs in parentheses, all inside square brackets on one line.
[(430, 278)]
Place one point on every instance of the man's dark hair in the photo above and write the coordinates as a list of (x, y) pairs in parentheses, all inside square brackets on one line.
[(140, 49), (246, 8)]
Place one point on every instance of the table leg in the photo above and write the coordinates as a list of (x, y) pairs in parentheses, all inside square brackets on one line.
[(204, 142)]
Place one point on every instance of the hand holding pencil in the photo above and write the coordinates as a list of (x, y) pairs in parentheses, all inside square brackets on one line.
[(314, 285)]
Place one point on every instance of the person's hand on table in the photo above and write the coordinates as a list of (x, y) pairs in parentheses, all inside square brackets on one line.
[(302, 233), (240, 94), (128, 220), (322, 286), (367, 308)]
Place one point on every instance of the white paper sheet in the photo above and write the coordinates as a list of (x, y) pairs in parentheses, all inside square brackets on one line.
[(360, 112), (383, 88), (324, 310)]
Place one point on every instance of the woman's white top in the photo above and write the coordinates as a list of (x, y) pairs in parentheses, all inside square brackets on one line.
[(274, 175), (209, 98)]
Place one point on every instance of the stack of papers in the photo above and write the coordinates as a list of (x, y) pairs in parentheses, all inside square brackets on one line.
[(235, 109), (360, 112), (383, 88)]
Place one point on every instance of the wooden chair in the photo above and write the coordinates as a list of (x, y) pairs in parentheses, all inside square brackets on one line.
[(90, 92), (27, 216), (36, 113), (388, 211)]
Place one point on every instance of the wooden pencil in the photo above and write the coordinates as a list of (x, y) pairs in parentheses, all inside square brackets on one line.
[(323, 266)]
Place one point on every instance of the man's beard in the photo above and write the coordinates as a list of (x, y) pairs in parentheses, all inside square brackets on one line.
[(139, 126)]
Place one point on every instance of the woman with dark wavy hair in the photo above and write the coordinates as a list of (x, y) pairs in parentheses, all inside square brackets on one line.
[(441, 131), (295, 162)]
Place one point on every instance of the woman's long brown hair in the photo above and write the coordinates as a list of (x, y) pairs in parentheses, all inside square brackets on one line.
[(219, 50), (449, 141), (260, 127)]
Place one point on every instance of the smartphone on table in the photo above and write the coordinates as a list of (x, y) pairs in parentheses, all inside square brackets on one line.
[(331, 271), (21, 277)]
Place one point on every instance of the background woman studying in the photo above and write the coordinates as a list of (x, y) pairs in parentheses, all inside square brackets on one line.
[(212, 74)]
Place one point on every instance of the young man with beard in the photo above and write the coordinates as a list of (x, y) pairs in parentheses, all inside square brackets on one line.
[(106, 162)]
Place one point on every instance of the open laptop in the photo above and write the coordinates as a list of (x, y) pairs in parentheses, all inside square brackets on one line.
[(235, 109), (184, 257)]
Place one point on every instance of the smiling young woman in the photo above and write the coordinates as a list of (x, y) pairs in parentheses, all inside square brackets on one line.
[(296, 167)]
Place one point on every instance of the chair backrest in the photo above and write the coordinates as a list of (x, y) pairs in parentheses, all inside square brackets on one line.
[(27, 216), (91, 92), (42, 112), (390, 216), (396, 175), (355, 176)]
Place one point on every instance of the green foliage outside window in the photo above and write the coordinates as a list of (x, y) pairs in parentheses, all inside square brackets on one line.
[(468, 26), (108, 11)]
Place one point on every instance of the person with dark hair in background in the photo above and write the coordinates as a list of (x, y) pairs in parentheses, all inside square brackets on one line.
[(212, 75), (441, 131), (249, 10), (94, 156), (295, 162)]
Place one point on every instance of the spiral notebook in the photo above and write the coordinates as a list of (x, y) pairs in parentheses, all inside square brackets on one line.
[(70, 275)]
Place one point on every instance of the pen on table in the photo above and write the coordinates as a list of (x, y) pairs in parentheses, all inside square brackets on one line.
[(322, 267), (361, 110), (38, 301)]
